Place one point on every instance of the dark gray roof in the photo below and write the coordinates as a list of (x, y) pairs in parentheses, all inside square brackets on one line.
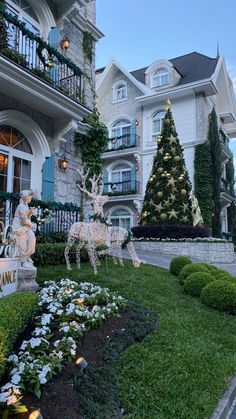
[(192, 67)]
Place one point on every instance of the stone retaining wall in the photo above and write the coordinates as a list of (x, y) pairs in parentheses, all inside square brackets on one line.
[(201, 251)]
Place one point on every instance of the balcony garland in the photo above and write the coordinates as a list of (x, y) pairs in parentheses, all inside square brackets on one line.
[(41, 44)]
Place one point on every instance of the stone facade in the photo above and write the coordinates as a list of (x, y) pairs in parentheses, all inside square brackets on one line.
[(203, 252)]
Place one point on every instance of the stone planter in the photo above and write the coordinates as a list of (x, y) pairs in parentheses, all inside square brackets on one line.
[(208, 252)]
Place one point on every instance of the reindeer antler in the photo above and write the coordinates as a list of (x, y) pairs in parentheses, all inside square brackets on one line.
[(94, 182)]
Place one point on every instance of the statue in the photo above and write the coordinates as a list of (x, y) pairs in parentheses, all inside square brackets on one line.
[(22, 230), (196, 212)]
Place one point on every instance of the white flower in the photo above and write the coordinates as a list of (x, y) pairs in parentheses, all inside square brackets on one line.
[(42, 378), (15, 379), (59, 312), (46, 319), (13, 358), (35, 342), (66, 329), (72, 352), (3, 397), (23, 345), (56, 343), (6, 386)]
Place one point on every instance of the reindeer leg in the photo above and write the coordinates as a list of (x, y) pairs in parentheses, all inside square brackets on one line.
[(119, 248), (114, 252), (78, 255), (133, 254), (71, 240), (92, 256)]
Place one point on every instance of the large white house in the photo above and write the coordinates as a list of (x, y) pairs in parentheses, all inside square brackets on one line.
[(132, 105), (44, 95)]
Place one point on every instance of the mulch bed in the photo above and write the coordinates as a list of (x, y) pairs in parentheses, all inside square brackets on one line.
[(59, 398)]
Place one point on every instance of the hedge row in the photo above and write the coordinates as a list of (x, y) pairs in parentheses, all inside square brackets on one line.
[(170, 231), (16, 311), (215, 287)]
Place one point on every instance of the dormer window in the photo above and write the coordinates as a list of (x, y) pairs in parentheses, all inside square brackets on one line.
[(160, 78), (120, 91)]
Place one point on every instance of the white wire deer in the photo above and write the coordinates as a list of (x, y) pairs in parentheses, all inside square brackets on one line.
[(94, 233)]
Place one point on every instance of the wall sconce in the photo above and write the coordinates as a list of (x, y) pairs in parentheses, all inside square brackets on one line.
[(65, 43), (137, 122), (63, 163)]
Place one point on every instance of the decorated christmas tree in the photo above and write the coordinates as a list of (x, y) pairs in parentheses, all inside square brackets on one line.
[(167, 199)]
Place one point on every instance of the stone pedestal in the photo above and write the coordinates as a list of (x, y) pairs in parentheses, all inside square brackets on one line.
[(27, 279)]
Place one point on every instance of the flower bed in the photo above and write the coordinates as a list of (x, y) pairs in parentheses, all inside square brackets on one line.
[(67, 310)]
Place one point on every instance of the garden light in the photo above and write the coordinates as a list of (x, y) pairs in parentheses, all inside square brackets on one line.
[(81, 363), (35, 415)]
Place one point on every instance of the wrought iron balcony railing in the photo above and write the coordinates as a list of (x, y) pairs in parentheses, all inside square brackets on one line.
[(123, 142), (29, 51), (130, 187)]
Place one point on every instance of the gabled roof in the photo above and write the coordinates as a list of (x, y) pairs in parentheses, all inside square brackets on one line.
[(192, 67)]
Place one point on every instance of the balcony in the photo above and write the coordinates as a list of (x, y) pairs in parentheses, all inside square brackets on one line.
[(225, 150), (225, 193), (123, 144), (131, 187), (30, 64)]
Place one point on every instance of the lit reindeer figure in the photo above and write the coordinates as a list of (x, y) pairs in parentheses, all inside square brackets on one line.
[(96, 232)]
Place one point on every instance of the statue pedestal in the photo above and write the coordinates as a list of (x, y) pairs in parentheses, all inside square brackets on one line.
[(27, 279)]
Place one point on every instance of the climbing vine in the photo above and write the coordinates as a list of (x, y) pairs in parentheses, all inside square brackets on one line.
[(93, 143), (88, 42), (203, 181)]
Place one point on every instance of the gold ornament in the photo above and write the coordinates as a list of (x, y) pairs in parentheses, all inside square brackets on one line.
[(161, 150), (184, 218), (168, 175), (163, 216), (173, 214), (160, 194), (172, 197), (168, 104), (185, 207), (167, 203), (171, 182), (166, 158), (172, 139), (158, 207), (163, 175), (183, 192), (177, 158), (174, 170), (160, 170)]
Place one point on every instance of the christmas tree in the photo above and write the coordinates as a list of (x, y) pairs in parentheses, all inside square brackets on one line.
[(167, 199), (3, 28)]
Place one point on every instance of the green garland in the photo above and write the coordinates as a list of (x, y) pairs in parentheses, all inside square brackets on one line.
[(203, 181), (41, 44), (52, 205), (88, 41), (93, 144)]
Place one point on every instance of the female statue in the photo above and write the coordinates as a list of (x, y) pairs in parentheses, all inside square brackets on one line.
[(22, 230), (196, 212)]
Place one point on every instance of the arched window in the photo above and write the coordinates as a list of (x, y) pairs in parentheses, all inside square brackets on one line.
[(160, 78), (120, 91), (121, 134), (24, 12), (157, 122), (121, 218), (15, 160), (121, 178)]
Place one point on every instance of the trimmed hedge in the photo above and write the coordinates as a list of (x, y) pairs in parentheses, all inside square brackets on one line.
[(178, 263), (190, 269), (170, 231), (220, 295), (16, 311), (195, 283), (221, 273), (211, 268)]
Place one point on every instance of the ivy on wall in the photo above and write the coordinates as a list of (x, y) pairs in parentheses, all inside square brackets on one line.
[(92, 144), (88, 42), (203, 181)]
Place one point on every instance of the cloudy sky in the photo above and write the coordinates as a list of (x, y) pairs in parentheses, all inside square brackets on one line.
[(139, 32)]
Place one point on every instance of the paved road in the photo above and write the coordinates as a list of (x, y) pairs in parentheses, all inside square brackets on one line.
[(164, 261)]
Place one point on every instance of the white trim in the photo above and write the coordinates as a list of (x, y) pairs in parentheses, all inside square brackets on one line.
[(118, 207), (36, 138), (116, 163), (115, 88), (45, 16)]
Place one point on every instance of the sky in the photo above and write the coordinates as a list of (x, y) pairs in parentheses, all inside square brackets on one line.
[(139, 32)]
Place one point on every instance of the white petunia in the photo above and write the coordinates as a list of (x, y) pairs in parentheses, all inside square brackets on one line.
[(3, 397), (15, 379)]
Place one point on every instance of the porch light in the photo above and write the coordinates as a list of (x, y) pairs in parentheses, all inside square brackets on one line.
[(63, 163), (65, 43)]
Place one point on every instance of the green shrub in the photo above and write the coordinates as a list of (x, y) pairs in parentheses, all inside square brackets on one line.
[(195, 283), (178, 263), (16, 311), (190, 269), (211, 268), (220, 273), (220, 295), (52, 237)]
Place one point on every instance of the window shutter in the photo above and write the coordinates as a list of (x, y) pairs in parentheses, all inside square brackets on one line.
[(133, 132), (105, 180), (133, 178), (54, 38), (48, 179)]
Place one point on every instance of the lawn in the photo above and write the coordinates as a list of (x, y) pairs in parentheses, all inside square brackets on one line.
[(183, 368)]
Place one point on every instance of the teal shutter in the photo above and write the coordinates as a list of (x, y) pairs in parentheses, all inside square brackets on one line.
[(133, 132), (105, 180), (133, 178), (48, 179), (54, 39)]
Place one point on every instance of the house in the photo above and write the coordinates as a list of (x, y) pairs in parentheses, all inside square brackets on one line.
[(132, 105), (47, 70)]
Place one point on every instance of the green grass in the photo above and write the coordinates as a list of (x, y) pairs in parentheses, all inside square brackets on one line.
[(183, 368)]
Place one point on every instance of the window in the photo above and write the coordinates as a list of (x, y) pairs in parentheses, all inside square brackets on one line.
[(121, 218), (160, 78), (120, 91), (121, 134), (157, 122), (15, 160), (121, 178)]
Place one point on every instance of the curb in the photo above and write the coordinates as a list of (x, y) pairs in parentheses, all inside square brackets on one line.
[(226, 402)]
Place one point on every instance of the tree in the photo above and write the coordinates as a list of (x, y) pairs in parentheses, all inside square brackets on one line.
[(203, 181), (3, 28), (167, 193), (214, 139)]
